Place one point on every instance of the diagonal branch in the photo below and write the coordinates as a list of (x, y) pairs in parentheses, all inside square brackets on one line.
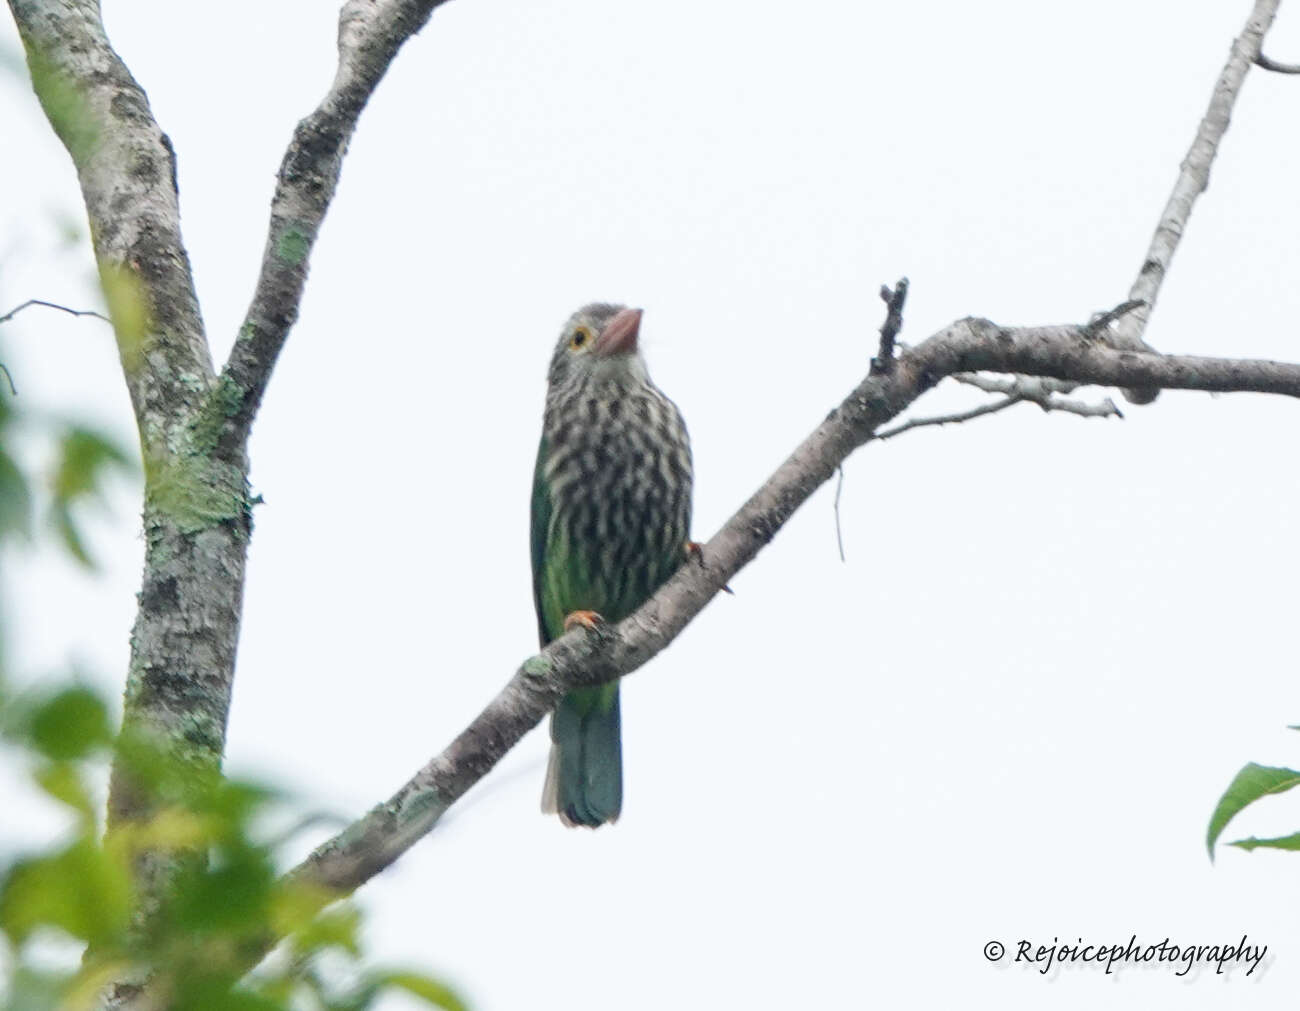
[(370, 34), (582, 658), (1193, 178)]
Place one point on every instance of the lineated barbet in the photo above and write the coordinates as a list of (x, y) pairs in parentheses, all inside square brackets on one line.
[(610, 519)]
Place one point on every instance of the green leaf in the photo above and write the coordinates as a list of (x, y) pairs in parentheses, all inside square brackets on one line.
[(1284, 842), (79, 890), (230, 895), (83, 456), (335, 929), (70, 725), (15, 499), (69, 533), (432, 991), (1251, 783), (63, 782), (219, 993)]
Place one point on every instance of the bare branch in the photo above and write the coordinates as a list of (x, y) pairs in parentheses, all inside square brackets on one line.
[(583, 658), (1025, 386), (1046, 393), (1193, 179), (1278, 68), (9, 379), (370, 34), (1098, 324), (949, 419), (51, 305), (895, 300)]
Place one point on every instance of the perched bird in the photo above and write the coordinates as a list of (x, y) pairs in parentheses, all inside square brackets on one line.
[(610, 519)]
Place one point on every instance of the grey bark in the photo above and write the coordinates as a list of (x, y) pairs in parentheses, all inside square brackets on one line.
[(195, 509), (1193, 179)]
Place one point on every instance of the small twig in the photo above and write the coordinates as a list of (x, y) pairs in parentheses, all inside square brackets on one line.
[(949, 419), (1098, 324), (52, 305), (839, 537), (1014, 385), (1278, 68), (9, 378), (884, 361)]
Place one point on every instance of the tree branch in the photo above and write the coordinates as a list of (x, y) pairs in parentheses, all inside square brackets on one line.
[(1278, 68), (1193, 179), (195, 510), (582, 658), (370, 34), (127, 171), (894, 300)]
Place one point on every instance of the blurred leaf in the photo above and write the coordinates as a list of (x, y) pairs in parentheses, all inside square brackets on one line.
[(1285, 842), (218, 993), (296, 903), (33, 990), (128, 308), (69, 534), (70, 725), (432, 991), (79, 890), (170, 829), (335, 929), (63, 782), (84, 455), (64, 105), (231, 894), (15, 500), (1251, 783)]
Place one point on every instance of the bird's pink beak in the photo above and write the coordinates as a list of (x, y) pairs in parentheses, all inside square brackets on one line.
[(620, 334)]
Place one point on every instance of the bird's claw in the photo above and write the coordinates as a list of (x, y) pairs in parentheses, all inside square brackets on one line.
[(582, 619)]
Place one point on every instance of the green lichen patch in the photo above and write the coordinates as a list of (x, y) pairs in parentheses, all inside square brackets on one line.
[(196, 492), (293, 246), (220, 405)]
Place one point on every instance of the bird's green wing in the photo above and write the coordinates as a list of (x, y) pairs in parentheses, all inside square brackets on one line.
[(541, 522)]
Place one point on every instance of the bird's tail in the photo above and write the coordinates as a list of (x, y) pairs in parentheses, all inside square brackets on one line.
[(584, 777)]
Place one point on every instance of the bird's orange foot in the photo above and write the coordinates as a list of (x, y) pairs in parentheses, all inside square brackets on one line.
[(582, 619)]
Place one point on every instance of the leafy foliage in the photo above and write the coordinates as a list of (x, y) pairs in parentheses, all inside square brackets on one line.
[(223, 897), (224, 894), (1249, 785)]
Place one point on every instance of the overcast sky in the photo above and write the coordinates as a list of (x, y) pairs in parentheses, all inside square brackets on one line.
[(1008, 716)]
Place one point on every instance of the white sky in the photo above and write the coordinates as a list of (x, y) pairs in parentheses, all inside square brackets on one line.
[(1055, 641)]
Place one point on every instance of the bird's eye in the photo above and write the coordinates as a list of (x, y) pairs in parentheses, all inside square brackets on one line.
[(580, 337)]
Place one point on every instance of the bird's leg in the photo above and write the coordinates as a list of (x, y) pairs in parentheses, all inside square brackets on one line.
[(695, 551), (582, 619)]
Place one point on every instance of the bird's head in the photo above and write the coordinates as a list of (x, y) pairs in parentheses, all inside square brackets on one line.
[(599, 343)]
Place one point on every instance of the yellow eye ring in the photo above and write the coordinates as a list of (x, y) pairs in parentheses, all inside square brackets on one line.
[(580, 338)]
